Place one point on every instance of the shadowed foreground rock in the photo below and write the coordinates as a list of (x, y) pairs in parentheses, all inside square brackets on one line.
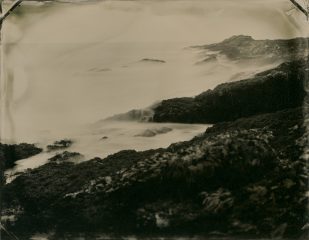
[(244, 178), (9, 154)]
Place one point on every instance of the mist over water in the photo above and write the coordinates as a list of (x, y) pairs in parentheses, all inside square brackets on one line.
[(70, 65)]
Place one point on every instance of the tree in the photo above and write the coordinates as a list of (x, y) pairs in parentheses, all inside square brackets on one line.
[(301, 8), (10, 10)]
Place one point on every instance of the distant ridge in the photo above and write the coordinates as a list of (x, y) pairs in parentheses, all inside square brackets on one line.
[(245, 47)]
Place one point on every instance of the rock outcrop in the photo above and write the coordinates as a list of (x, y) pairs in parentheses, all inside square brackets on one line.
[(58, 145), (9, 154), (152, 60), (245, 48), (269, 91), (66, 156)]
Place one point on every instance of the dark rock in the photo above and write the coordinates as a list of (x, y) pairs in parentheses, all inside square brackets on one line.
[(269, 91), (279, 231), (58, 145), (217, 202), (152, 60), (9, 154), (66, 156)]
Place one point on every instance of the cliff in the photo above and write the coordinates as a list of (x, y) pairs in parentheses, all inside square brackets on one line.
[(269, 91)]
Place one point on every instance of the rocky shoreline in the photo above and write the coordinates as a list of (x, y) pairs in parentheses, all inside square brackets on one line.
[(12, 153), (246, 176), (269, 91)]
